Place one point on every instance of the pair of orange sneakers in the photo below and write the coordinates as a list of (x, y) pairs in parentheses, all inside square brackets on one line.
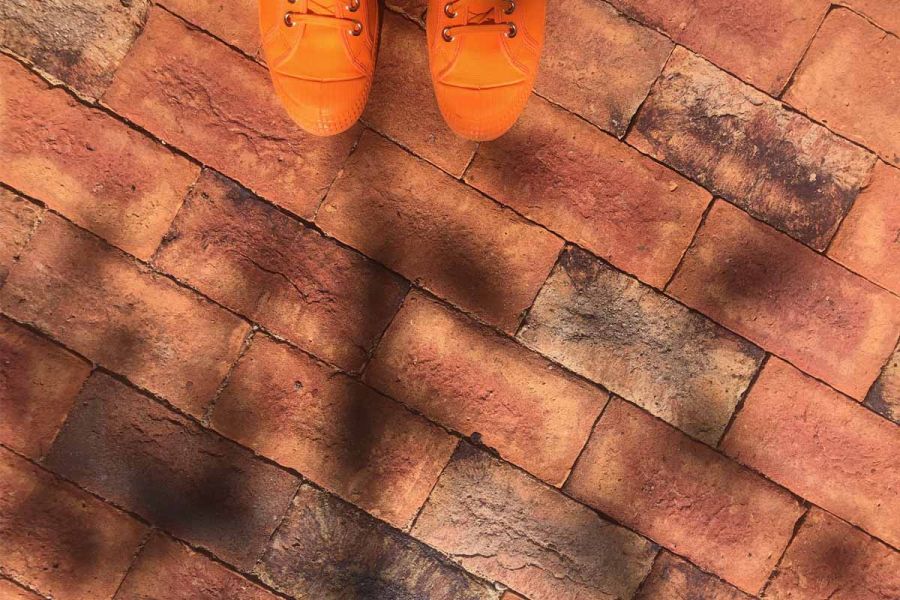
[(483, 56)]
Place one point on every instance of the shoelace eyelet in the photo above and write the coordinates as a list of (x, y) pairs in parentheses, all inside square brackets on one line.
[(448, 10), (513, 30), (357, 29), (512, 7), (353, 6), (446, 35), (288, 20)]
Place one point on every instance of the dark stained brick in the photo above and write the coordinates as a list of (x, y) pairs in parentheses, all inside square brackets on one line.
[(641, 345), (132, 451), (884, 395), (744, 146), (328, 549), (673, 578)]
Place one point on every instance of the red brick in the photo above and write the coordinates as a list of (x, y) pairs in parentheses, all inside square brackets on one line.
[(58, 539), (438, 232), (118, 314), (884, 395), (414, 9), (501, 524), (789, 300), (337, 432), (625, 59), (641, 345), (83, 49), (868, 241), (218, 106), (236, 22), (265, 265), (830, 559), (168, 570), (748, 148), (402, 105), (685, 496), (11, 591), (327, 549), (823, 446), (472, 380), (103, 175), (132, 451), (673, 577), (885, 14), (848, 80), (761, 42), (510, 595), (18, 218), (38, 383), (561, 172)]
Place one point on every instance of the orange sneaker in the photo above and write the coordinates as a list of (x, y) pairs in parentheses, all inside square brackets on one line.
[(484, 57), (321, 55)]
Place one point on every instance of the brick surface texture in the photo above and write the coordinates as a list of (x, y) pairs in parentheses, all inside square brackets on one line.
[(643, 346)]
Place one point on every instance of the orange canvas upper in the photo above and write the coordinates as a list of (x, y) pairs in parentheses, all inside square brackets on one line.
[(321, 55), (484, 58)]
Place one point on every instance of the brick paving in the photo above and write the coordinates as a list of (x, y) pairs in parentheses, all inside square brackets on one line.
[(645, 345)]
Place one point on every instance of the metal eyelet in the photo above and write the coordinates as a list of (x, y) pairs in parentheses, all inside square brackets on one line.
[(353, 6), (448, 10), (357, 29), (288, 20), (446, 35), (513, 30), (512, 7)]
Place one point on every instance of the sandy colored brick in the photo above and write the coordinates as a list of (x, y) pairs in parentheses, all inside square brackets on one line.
[(789, 300), (746, 147), (557, 170), (868, 241), (105, 306), (437, 232), (218, 106), (673, 577), (685, 496), (18, 218), (58, 539), (402, 104), (80, 42), (761, 42), (470, 379), (11, 591), (342, 435), (81, 162), (823, 446), (501, 524), (830, 559), (328, 549), (597, 63), (168, 570), (885, 13), (269, 267), (641, 345), (236, 22), (38, 383), (134, 452), (848, 80), (884, 395)]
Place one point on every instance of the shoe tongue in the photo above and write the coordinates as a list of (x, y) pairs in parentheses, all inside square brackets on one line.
[(321, 7), (480, 13)]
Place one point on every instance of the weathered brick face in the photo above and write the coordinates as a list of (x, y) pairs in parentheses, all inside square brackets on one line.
[(641, 345), (884, 395), (744, 146), (11, 591), (18, 218), (236, 22), (501, 524), (673, 577)]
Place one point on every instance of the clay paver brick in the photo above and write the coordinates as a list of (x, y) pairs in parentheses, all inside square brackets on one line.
[(746, 147), (269, 267), (217, 105), (83, 49), (849, 79), (625, 59), (830, 559), (884, 395), (327, 549), (503, 525), (761, 42), (18, 218), (823, 446), (510, 595), (641, 345), (339, 433), (561, 172), (38, 383), (11, 591), (81, 162), (168, 570), (685, 496), (236, 22), (414, 9), (673, 577), (885, 14), (105, 306), (402, 105), (132, 451), (438, 232), (868, 241), (470, 379), (58, 539), (791, 301)]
